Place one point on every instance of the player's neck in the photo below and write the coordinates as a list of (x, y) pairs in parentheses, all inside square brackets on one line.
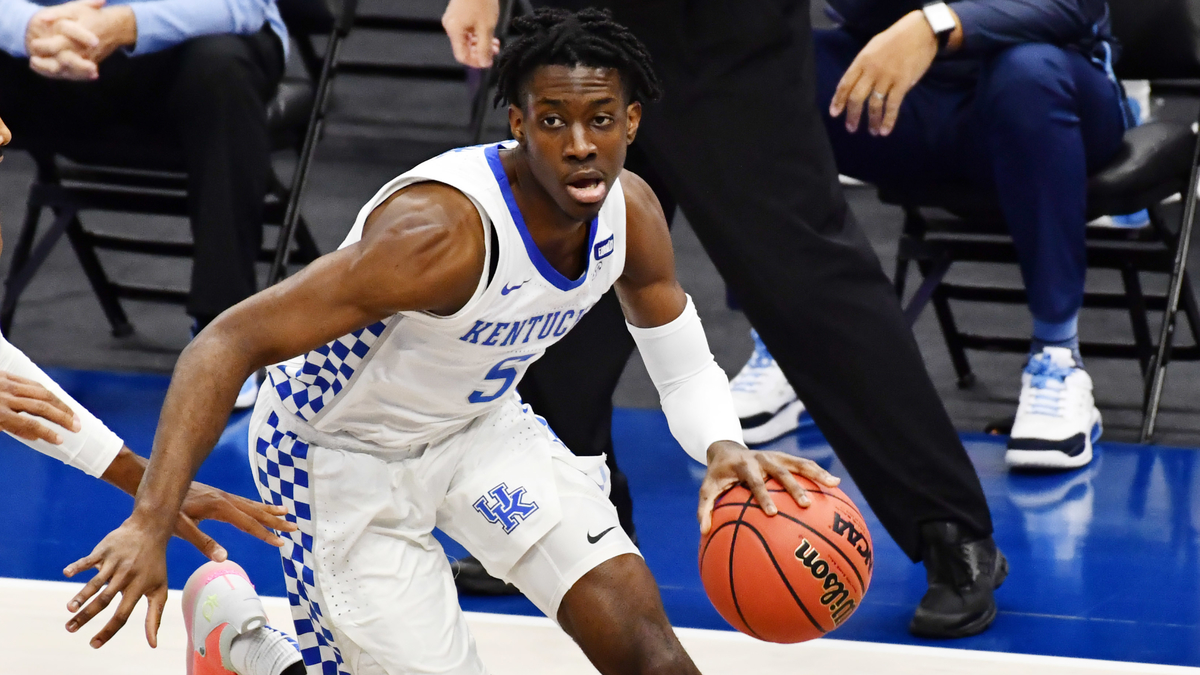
[(561, 239)]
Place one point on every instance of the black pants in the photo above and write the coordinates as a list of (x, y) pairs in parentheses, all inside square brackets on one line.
[(209, 97), (737, 139)]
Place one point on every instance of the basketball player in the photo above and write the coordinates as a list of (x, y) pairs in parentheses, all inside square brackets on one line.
[(399, 415)]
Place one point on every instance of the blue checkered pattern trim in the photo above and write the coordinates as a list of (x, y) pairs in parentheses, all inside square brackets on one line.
[(325, 373), (281, 462)]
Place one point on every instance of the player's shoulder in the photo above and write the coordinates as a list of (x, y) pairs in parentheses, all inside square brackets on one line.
[(641, 204), (429, 207), (639, 196), (425, 221)]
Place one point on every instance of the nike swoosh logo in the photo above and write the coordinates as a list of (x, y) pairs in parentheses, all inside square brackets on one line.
[(509, 289), (592, 540)]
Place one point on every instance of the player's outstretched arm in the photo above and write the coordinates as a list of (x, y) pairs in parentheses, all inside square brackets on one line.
[(421, 249), (693, 389)]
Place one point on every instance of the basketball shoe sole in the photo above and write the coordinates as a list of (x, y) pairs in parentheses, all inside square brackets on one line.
[(1037, 454), (219, 603), (766, 427)]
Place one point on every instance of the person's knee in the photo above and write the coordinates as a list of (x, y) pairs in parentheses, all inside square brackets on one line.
[(615, 614), (1026, 82), (216, 71)]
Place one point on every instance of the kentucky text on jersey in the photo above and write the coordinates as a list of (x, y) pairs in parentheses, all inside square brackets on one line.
[(506, 333)]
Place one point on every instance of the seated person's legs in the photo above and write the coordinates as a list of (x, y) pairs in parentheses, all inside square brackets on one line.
[(216, 105), (1047, 118), (995, 134)]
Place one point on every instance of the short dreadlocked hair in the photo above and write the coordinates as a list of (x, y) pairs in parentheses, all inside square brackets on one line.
[(590, 38)]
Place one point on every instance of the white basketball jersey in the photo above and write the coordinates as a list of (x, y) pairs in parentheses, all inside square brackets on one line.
[(416, 377)]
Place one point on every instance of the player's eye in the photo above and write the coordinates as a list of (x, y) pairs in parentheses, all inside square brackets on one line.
[(552, 122), (603, 120)]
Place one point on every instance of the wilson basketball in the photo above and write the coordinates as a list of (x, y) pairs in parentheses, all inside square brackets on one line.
[(790, 577)]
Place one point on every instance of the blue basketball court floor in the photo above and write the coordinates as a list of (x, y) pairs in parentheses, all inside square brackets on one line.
[(1104, 560)]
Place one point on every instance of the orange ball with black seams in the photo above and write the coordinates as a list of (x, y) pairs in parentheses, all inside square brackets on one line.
[(790, 577)]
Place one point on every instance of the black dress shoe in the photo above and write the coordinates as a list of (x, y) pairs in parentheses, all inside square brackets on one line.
[(471, 579), (962, 571)]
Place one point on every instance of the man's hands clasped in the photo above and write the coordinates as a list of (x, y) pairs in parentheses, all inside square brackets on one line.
[(69, 41), (730, 463)]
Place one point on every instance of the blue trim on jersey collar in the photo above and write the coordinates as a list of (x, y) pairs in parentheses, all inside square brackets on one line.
[(535, 254)]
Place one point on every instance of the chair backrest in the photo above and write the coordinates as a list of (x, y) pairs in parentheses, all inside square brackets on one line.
[(1160, 39)]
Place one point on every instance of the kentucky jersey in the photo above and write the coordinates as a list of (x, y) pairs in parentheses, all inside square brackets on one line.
[(415, 377)]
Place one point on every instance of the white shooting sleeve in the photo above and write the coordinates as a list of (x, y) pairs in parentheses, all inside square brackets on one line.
[(693, 389), (90, 450)]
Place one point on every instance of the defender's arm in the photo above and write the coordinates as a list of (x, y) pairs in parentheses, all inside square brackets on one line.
[(422, 249), (693, 389)]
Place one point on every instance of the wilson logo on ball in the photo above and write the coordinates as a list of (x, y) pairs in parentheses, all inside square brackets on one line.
[(835, 597), (845, 528)]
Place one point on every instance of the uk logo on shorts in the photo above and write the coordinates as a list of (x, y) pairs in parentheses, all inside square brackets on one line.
[(508, 508)]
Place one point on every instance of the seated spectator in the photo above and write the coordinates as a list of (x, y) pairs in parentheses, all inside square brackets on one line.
[(1014, 96), (196, 72)]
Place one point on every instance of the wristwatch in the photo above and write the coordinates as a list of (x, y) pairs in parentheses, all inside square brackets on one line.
[(941, 20)]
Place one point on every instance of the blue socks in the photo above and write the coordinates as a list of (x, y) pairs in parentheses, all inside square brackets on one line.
[(1057, 334)]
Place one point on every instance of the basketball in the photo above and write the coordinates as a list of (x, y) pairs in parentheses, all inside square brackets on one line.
[(790, 577)]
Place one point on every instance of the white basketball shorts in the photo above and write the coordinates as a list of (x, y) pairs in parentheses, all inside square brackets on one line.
[(370, 587)]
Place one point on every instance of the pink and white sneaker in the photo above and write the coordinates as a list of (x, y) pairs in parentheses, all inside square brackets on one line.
[(219, 603)]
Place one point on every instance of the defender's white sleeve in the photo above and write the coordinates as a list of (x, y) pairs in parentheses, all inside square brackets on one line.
[(693, 389), (90, 450)]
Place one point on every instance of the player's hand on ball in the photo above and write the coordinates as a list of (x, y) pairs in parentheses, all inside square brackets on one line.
[(204, 502), (132, 561), (730, 463), (19, 395)]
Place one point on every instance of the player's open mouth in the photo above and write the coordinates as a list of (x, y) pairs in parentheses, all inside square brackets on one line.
[(587, 190)]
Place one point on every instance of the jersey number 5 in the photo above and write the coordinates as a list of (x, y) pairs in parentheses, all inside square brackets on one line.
[(505, 371)]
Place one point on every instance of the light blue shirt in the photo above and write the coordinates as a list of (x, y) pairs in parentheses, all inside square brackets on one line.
[(160, 23)]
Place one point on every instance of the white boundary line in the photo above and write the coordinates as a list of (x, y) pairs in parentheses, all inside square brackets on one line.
[(732, 637)]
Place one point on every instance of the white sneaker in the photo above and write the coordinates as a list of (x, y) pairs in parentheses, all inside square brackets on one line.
[(765, 403), (248, 395), (1057, 421)]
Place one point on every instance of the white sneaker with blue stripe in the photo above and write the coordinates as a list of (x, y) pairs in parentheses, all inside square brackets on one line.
[(1057, 421), (765, 403)]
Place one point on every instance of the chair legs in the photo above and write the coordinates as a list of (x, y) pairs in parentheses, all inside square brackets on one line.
[(15, 282), (101, 286), (27, 259), (1139, 321)]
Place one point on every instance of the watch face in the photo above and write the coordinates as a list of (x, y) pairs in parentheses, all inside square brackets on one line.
[(939, 17)]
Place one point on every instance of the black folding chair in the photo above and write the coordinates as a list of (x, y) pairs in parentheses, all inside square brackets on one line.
[(949, 224), (130, 171)]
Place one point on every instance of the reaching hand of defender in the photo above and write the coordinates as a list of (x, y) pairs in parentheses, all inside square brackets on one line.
[(208, 503), (730, 463), (19, 395)]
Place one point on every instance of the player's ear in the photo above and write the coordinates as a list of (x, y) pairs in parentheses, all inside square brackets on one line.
[(516, 123), (633, 112)]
